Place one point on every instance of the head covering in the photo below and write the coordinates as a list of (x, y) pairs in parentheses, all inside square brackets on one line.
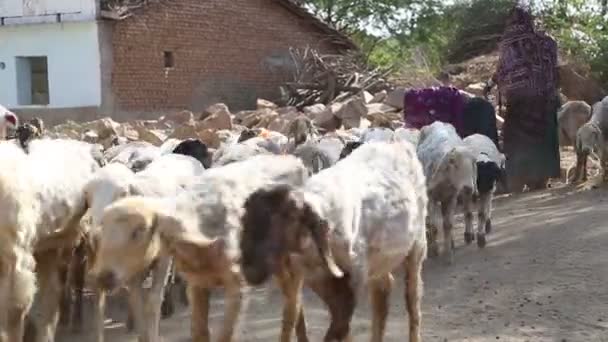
[(424, 106), (528, 58)]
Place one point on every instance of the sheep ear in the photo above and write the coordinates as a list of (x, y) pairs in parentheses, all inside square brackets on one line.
[(196, 253), (319, 230)]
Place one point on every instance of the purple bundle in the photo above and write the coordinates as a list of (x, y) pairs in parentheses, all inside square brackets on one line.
[(422, 107)]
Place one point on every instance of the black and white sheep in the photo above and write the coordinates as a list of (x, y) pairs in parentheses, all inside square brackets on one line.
[(199, 228), (348, 227), (490, 171), (451, 172)]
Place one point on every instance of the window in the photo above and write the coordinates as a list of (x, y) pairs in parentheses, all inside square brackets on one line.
[(169, 61), (32, 81)]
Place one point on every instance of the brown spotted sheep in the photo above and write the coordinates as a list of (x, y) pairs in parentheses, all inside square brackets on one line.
[(348, 227)]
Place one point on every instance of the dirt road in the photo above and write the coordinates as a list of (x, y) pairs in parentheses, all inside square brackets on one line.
[(542, 277)]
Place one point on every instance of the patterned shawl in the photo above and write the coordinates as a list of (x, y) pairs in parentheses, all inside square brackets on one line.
[(527, 64)]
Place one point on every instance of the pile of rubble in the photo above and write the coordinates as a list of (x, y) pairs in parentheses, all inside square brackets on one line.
[(363, 110)]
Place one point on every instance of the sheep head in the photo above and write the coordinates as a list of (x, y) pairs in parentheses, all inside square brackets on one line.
[(128, 241), (488, 173), (457, 169), (277, 222), (8, 121), (195, 148)]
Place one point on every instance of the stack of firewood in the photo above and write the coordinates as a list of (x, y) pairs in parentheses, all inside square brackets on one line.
[(320, 78)]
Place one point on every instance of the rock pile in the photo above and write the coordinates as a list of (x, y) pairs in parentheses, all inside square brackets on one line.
[(363, 110)]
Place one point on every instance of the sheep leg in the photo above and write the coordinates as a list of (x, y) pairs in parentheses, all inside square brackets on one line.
[(581, 167), (234, 303), (447, 213), (199, 300), (65, 301), (168, 307), (153, 299), (136, 304), (183, 290), (467, 203), (78, 272), (604, 165), (380, 290), (339, 296), (413, 289), (432, 228), (100, 311), (485, 222), (18, 290), (290, 282), (49, 296)]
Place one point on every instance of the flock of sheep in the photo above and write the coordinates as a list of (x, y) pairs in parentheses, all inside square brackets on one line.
[(336, 213)]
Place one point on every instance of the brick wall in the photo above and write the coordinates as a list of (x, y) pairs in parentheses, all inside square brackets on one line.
[(224, 51)]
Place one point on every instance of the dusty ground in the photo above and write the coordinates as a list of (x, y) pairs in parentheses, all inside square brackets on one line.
[(541, 278)]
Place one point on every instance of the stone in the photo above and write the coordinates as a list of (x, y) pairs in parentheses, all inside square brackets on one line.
[(210, 138), (367, 97), (255, 118), (379, 97), (279, 124), (218, 107), (374, 108), (221, 119), (128, 131), (314, 110), (476, 89), (104, 127), (184, 132), (395, 98), (153, 136), (352, 112), (178, 118), (262, 104)]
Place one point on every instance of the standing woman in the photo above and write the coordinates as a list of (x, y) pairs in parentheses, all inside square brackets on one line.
[(528, 78)]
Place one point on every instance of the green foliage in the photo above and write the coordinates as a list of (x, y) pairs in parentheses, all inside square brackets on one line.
[(401, 33)]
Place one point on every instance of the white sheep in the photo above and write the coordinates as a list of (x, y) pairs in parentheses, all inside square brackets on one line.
[(200, 229), (237, 152), (591, 137), (450, 170), (167, 175), (43, 201), (571, 116), (490, 170), (349, 226), (136, 155)]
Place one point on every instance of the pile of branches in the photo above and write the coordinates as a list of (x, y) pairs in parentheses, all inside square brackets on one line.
[(319, 78), (122, 9)]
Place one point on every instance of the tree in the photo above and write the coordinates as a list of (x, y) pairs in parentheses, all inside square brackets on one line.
[(387, 17)]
